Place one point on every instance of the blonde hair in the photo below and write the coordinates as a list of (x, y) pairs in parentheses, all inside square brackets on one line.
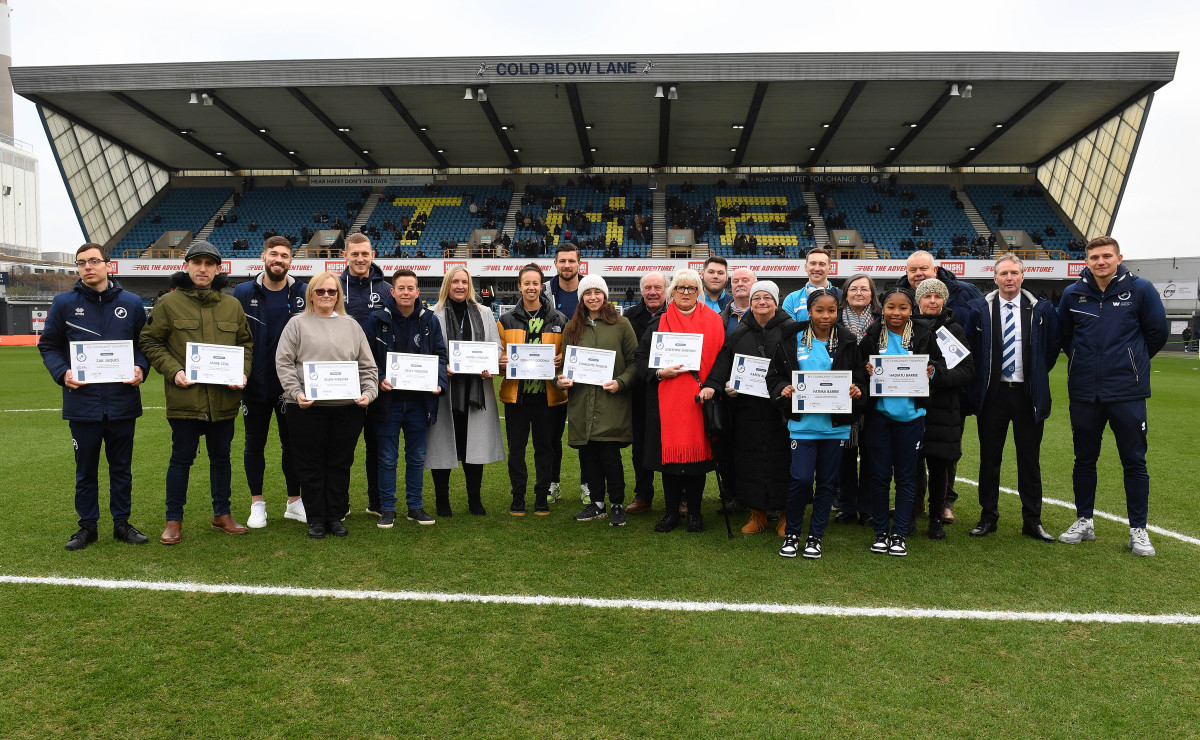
[(684, 277), (444, 293), (318, 280)]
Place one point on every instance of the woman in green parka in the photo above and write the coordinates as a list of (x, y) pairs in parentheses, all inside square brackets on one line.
[(600, 417)]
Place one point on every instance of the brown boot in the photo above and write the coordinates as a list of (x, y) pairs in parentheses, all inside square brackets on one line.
[(757, 523), (782, 528), (172, 534), (226, 524)]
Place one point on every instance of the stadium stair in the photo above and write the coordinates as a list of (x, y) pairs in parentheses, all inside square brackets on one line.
[(204, 233), (820, 235), (514, 205), (365, 214), (658, 244), (973, 215)]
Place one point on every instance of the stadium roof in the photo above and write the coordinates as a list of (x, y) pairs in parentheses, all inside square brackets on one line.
[(827, 110)]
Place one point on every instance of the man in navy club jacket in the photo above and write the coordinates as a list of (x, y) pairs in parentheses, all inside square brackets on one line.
[(99, 414), (1111, 323), (270, 301)]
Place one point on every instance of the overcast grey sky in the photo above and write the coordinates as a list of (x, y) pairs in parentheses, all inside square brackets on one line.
[(1152, 222)]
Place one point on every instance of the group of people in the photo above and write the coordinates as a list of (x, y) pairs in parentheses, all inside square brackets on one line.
[(987, 355)]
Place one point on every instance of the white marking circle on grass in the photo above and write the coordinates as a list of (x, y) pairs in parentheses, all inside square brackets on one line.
[(809, 610), (1097, 514)]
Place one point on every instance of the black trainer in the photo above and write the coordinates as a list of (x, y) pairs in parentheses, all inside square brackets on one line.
[(880, 545), (337, 529), (616, 515), (695, 521), (81, 539), (316, 530), (592, 511), (126, 533), (420, 517), (669, 522), (518, 506), (386, 519), (541, 507), (937, 531)]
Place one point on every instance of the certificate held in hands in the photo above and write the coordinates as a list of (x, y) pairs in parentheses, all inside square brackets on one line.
[(102, 362), (589, 365), (750, 375), (216, 364), (668, 349), (902, 376), (473, 358), (530, 361), (331, 381), (821, 392), (408, 372)]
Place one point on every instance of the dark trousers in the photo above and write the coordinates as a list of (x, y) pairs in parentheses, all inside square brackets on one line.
[(520, 423), (371, 438), (257, 419), (852, 480), (1009, 404), (1127, 419), (558, 422), (324, 438), (938, 481), (813, 461), (600, 467), (185, 440), (473, 472), (643, 477), (678, 488), (893, 450), (116, 437)]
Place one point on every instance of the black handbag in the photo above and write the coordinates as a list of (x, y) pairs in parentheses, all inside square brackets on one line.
[(716, 414)]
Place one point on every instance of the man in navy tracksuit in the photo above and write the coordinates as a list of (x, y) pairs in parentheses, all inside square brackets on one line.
[(99, 414), (270, 301), (1014, 337), (409, 327), (366, 291), (1111, 323)]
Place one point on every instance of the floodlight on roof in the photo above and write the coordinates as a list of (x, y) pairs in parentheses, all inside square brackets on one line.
[(206, 98), (467, 95), (672, 94), (481, 95), (658, 92), (193, 98), (954, 90), (967, 90)]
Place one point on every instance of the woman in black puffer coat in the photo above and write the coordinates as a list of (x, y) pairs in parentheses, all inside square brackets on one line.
[(942, 445)]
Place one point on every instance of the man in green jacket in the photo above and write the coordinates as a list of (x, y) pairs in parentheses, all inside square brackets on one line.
[(196, 311)]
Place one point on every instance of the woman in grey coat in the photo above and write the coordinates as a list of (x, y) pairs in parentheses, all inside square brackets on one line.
[(468, 424)]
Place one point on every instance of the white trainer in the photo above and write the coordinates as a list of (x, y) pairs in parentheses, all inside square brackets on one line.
[(1139, 542), (295, 510), (1081, 530), (585, 494), (258, 515)]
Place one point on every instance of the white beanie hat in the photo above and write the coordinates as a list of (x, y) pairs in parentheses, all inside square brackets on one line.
[(766, 286), (587, 282)]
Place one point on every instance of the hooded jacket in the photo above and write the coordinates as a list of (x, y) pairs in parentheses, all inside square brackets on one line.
[(263, 384), (1109, 336), (190, 315), (513, 328), (943, 408), (366, 295), (85, 315), (1039, 345), (846, 357), (388, 330)]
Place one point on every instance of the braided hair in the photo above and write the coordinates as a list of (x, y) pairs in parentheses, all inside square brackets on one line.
[(809, 336), (906, 336)]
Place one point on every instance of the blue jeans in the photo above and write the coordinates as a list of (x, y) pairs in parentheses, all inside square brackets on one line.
[(893, 449), (411, 418), (1128, 422), (117, 439), (185, 439), (813, 460)]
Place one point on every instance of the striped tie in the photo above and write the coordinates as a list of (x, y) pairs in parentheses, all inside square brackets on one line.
[(1010, 342)]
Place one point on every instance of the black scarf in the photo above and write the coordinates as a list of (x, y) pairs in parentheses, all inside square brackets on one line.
[(465, 325)]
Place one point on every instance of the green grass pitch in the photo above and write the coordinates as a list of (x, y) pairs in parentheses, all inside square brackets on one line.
[(81, 661)]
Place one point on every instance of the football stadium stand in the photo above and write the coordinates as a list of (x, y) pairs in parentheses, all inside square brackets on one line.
[(181, 209)]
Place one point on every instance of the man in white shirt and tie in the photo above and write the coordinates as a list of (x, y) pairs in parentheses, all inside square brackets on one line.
[(1014, 336)]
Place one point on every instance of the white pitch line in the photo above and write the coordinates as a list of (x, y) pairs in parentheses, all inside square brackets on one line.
[(59, 408), (1095, 513), (808, 610)]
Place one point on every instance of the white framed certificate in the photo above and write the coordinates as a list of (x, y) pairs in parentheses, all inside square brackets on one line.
[(473, 358), (409, 372), (216, 364), (103, 362), (331, 381), (749, 375), (953, 351), (530, 362), (903, 376), (668, 349), (588, 365), (821, 392)]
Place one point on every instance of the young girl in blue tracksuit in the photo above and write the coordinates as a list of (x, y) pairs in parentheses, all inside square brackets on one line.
[(895, 426), (817, 345)]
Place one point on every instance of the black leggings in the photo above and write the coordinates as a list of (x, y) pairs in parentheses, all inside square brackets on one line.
[(683, 487)]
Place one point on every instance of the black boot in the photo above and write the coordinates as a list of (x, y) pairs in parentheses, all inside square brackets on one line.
[(936, 530), (474, 504)]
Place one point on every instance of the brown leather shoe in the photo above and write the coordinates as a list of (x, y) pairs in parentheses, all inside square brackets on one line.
[(226, 524), (638, 506), (172, 534), (947, 515), (683, 508)]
